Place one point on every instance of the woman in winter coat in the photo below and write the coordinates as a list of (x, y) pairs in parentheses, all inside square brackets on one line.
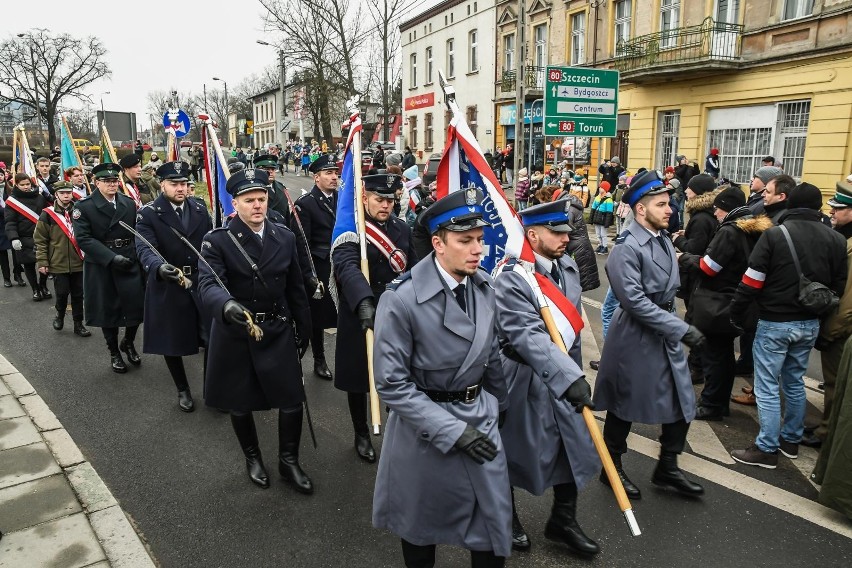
[(717, 272), (20, 228), (602, 215), (711, 164), (522, 190), (580, 245)]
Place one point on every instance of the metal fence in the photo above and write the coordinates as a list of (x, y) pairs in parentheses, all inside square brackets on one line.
[(534, 79), (710, 40)]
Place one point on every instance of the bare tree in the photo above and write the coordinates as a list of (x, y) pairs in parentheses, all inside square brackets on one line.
[(161, 101), (385, 14), (41, 70), (81, 122)]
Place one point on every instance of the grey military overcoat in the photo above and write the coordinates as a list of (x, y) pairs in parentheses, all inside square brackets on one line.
[(643, 376), (428, 492), (546, 441)]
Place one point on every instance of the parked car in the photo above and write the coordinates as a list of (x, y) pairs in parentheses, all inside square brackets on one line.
[(430, 172), (366, 162), (132, 146), (186, 143), (81, 145), (385, 145)]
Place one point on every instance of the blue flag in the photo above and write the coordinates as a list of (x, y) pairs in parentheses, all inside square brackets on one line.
[(345, 225), (225, 199)]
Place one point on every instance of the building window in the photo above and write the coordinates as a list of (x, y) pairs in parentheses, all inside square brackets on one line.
[(622, 22), (471, 118), (427, 129), (473, 58), (793, 120), (474, 7), (669, 22), (509, 52), (412, 131), (413, 65), (540, 35), (798, 9), (578, 38), (451, 58), (728, 11), (429, 65), (668, 129), (741, 150)]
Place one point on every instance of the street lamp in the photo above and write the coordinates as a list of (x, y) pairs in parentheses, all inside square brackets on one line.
[(35, 83), (281, 80), (103, 112), (227, 111)]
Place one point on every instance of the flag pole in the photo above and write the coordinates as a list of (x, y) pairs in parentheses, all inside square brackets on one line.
[(15, 151), (556, 337), (375, 408), (106, 146), (76, 155)]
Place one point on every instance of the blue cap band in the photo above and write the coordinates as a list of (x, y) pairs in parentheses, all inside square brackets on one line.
[(458, 211), (544, 218), (635, 195)]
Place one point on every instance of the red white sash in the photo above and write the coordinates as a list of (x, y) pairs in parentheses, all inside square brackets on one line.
[(22, 209), (565, 314), (66, 226), (379, 239), (133, 192), (79, 192)]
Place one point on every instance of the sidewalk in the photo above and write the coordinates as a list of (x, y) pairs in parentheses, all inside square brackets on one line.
[(54, 508)]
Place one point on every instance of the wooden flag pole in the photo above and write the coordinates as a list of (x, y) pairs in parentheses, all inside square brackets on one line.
[(375, 405)]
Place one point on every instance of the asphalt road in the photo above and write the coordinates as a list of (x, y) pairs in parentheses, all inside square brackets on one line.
[(181, 477)]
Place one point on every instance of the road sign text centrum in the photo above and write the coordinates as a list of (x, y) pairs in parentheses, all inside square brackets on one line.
[(581, 101)]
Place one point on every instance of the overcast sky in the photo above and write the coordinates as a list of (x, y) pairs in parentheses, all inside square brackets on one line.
[(156, 44)]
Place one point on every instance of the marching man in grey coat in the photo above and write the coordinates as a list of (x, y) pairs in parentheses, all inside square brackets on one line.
[(442, 476), (643, 375), (547, 443)]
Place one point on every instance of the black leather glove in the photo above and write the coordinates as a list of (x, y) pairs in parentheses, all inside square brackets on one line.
[(501, 418), (694, 338), (476, 445), (121, 262), (168, 273), (366, 313), (302, 342), (234, 312), (579, 394)]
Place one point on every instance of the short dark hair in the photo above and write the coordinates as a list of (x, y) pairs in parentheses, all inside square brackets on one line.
[(42, 159), (783, 184)]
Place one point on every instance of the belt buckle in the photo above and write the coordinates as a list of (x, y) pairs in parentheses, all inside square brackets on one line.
[(260, 317), (470, 394), (187, 270), (117, 243)]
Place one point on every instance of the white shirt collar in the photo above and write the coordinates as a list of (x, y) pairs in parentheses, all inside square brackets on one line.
[(451, 282), (261, 231), (653, 234), (546, 262)]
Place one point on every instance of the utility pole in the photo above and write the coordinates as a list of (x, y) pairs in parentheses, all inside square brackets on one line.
[(520, 76), (227, 114)]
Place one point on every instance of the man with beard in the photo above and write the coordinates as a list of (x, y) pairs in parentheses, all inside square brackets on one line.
[(643, 375), (174, 322), (131, 176), (389, 253), (113, 288), (547, 444), (317, 210)]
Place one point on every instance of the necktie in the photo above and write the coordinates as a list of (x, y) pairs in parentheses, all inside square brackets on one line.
[(179, 212), (554, 273), (459, 292), (662, 240)]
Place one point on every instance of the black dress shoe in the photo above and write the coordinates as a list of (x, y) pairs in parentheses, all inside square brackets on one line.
[(59, 321), (7, 283), (19, 281), (810, 441), (668, 474), (131, 353), (45, 293), (520, 540), (321, 370), (185, 401), (80, 330), (629, 488), (364, 447), (118, 365), (37, 297), (708, 414)]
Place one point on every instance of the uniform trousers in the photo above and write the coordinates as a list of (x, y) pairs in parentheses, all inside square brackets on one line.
[(719, 364), (111, 336), (672, 439), (417, 556), (4, 264), (318, 344), (69, 283)]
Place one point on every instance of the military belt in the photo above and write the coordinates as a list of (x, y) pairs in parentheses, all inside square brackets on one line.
[(467, 395), (117, 243), (668, 306), (510, 353)]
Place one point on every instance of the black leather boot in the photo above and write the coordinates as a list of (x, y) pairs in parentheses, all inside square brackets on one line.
[(118, 365), (185, 402), (59, 321), (289, 434), (130, 351), (358, 413), (631, 490), (321, 370), (520, 540), (562, 525), (364, 447), (80, 329), (668, 474), (247, 435)]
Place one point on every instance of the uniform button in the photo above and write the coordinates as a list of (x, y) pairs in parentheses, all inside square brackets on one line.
[(545, 374), (424, 435)]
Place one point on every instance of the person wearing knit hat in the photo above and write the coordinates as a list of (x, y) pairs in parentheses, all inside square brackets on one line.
[(805, 196), (711, 164), (729, 199), (758, 185)]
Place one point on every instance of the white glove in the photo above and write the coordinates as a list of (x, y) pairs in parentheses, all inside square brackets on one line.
[(16, 244)]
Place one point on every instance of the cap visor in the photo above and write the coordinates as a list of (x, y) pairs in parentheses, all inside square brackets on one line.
[(468, 225), (837, 204)]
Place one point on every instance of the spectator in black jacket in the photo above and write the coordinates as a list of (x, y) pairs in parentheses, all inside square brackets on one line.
[(717, 274), (712, 164), (775, 196), (408, 159), (786, 331), (758, 184), (580, 246)]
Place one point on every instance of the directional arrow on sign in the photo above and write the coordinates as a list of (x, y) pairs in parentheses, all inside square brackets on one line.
[(554, 90), (552, 124)]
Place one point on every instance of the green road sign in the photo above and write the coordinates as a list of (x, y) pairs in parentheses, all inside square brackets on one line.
[(580, 102)]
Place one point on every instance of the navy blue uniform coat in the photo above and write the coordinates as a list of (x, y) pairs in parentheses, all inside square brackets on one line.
[(317, 217)]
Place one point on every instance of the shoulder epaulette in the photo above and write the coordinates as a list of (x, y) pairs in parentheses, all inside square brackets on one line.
[(622, 237), (396, 282)]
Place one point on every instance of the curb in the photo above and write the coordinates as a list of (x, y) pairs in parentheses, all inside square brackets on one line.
[(121, 543)]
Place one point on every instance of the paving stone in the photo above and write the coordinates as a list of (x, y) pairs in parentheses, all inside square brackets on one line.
[(6, 367), (42, 416), (36, 502), (4, 390), (63, 447), (18, 385), (120, 541), (16, 432), (68, 542), (89, 487), (9, 408), (26, 463)]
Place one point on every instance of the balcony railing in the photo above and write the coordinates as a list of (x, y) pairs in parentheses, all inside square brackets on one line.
[(711, 40), (534, 79)]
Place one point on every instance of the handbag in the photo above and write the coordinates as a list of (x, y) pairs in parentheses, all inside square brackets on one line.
[(815, 297)]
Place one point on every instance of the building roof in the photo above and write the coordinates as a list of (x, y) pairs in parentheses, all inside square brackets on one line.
[(433, 11)]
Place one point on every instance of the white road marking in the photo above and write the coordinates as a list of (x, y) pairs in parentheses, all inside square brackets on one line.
[(591, 303)]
